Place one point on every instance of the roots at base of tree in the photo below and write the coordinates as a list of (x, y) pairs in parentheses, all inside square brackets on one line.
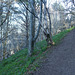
[(50, 43)]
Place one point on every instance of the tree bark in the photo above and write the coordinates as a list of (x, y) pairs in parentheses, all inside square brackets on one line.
[(39, 26), (48, 36), (32, 29), (27, 27)]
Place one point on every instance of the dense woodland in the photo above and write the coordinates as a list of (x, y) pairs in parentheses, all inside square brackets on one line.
[(23, 23)]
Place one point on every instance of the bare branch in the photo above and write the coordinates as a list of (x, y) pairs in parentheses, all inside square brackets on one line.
[(5, 18), (2, 39)]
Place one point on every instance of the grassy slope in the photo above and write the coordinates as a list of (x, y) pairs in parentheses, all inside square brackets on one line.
[(19, 64)]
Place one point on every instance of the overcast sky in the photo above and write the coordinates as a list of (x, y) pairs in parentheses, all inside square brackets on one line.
[(52, 1), (65, 5)]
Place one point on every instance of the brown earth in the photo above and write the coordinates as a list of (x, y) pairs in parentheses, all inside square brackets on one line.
[(62, 59)]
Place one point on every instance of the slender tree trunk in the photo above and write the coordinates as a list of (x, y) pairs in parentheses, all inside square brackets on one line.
[(1, 20), (6, 47), (27, 27), (48, 36), (32, 30), (39, 26), (1, 44), (45, 16)]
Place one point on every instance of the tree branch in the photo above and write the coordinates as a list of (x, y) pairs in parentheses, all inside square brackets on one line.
[(5, 18)]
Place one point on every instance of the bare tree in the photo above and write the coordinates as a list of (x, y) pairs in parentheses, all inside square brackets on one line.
[(32, 28)]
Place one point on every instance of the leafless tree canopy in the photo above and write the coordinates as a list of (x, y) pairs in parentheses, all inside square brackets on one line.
[(25, 22)]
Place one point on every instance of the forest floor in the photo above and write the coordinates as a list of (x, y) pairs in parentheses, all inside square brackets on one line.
[(62, 59)]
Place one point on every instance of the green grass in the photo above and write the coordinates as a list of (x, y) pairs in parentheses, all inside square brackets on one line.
[(61, 35), (20, 64)]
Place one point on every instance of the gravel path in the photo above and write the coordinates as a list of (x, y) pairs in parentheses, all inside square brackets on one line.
[(62, 60)]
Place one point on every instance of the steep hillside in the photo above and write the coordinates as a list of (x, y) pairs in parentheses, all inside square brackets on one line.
[(20, 63)]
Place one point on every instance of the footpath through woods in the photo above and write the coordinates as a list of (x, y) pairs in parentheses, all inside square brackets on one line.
[(62, 59)]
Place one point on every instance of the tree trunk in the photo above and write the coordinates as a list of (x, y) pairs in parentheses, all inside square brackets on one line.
[(27, 27), (39, 26), (48, 35), (1, 20), (32, 30)]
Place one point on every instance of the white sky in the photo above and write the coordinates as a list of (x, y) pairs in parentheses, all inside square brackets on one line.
[(49, 2), (65, 5)]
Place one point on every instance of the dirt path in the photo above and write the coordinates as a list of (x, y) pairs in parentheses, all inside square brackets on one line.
[(62, 60)]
